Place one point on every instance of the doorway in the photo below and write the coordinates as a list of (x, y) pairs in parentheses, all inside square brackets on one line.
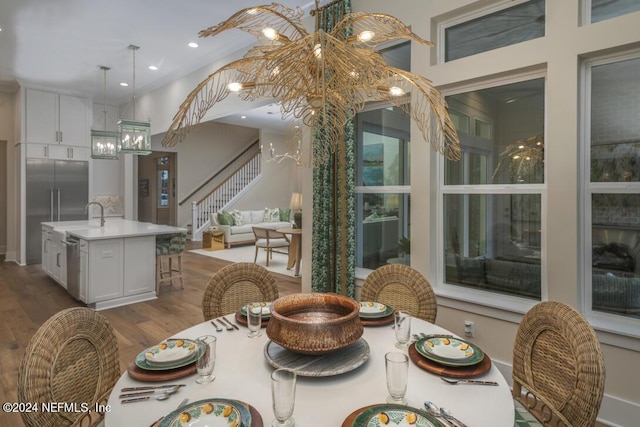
[(3, 197), (157, 183)]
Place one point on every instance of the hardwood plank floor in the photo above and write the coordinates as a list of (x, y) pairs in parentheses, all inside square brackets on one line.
[(28, 297)]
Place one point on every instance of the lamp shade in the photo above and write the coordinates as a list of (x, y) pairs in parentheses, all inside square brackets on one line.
[(104, 144), (135, 137), (296, 201)]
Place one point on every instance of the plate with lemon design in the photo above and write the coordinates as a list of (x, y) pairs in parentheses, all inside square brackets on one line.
[(210, 413), (388, 415), (169, 354), (449, 351), (374, 310)]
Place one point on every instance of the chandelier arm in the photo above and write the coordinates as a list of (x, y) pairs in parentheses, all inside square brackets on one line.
[(428, 110), (254, 19), (385, 27), (210, 91)]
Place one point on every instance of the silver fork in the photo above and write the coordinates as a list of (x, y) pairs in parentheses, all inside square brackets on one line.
[(229, 327), (218, 328)]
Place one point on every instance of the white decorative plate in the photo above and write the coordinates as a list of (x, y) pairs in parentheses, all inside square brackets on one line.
[(372, 309), (266, 309), (170, 352)]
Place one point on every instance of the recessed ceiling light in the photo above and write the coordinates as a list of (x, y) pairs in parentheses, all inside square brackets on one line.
[(243, 117), (153, 68), (124, 84), (193, 44)]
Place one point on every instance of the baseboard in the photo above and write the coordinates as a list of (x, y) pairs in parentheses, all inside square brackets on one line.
[(614, 412)]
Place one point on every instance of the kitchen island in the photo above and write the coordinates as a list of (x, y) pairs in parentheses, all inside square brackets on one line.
[(103, 266)]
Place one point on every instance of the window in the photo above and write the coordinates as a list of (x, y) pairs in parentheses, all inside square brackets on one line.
[(612, 201), (511, 25), (491, 227), (607, 9), (163, 181), (382, 191)]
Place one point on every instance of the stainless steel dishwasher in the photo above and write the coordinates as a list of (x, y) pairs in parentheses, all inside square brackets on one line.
[(73, 265)]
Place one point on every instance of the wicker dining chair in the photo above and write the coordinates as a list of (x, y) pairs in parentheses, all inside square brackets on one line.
[(402, 288), (72, 358), (236, 285), (558, 368)]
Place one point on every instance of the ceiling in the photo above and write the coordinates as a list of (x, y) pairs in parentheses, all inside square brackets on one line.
[(61, 44)]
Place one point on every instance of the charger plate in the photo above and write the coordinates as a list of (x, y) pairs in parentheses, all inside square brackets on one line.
[(210, 413), (449, 371), (336, 362), (390, 415), (380, 321), (142, 362)]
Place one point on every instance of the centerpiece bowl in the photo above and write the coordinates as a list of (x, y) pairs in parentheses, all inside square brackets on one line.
[(314, 323)]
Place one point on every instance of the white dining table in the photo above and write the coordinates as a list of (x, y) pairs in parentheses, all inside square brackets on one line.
[(243, 373)]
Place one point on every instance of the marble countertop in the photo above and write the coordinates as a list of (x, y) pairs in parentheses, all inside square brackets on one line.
[(113, 228)]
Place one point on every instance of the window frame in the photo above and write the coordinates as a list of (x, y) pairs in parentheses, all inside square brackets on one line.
[(464, 17), (609, 322), (486, 298)]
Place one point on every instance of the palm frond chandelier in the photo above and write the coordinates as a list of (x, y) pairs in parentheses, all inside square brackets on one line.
[(321, 79)]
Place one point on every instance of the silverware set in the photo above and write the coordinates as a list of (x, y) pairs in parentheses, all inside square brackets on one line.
[(223, 322), (158, 392)]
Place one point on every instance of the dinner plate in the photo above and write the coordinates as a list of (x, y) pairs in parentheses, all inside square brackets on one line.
[(373, 310), (394, 415), (170, 352), (142, 363), (209, 413), (266, 309), (449, 351)]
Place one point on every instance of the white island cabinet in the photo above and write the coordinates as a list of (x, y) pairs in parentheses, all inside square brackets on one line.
[(115, 264)]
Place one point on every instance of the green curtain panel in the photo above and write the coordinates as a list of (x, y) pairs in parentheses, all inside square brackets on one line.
[(333, 251)]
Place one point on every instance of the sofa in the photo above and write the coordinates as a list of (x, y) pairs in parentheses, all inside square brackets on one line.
[(237, 226)]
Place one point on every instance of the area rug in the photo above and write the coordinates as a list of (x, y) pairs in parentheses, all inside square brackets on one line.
[(277, 264)]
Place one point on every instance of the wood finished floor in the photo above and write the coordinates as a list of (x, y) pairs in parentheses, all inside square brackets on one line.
[(28, 297)]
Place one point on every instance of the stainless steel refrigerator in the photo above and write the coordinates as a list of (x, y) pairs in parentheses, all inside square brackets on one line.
[(57, 190)]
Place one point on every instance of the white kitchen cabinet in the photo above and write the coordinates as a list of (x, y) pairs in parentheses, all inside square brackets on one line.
[(57, 152), (105, 270), (139, 274), (83, 272), (53, 119), (46, 249)]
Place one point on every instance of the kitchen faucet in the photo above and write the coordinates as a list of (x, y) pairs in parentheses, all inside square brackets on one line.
[(86, 208)]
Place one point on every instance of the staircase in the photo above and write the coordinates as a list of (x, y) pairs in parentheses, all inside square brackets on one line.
[(224, 194)]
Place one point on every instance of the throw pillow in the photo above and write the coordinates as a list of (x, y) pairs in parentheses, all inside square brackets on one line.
[(285, 214), (238, 219), (225, 218), (271, 215)]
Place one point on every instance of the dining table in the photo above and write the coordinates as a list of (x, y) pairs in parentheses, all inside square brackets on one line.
[(243, 371)]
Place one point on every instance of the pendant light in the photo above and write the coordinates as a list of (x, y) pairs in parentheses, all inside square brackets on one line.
[(135, 136), (104, 143)]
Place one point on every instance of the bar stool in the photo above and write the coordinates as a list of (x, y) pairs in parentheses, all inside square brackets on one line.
[(169, 248)]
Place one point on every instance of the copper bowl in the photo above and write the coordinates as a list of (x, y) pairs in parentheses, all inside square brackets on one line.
[(314, 323)]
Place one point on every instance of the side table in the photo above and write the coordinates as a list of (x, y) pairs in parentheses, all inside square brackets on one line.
[(213, 240)]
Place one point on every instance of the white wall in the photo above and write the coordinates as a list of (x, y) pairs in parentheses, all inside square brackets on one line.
[(559, 52), (7, 169)]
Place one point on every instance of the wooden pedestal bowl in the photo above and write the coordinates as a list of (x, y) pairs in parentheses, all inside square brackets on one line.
[(314, 323)]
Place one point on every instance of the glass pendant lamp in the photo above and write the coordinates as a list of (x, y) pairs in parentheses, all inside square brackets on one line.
[(104, 143), (135, 136)]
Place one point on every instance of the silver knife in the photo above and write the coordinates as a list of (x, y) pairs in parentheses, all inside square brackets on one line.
[(232, 324), (152, 387)]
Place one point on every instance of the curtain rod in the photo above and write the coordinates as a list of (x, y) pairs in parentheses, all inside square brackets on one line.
[(326, 6)]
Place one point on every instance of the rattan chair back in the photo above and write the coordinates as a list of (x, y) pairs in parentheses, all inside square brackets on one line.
[(72, 358), (236, 285), (558, 368), (402, 288)]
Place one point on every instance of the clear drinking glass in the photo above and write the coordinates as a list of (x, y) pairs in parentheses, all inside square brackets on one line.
[(254, 319), (207, 361), (402, 325), (283, 392), (397, 369)]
